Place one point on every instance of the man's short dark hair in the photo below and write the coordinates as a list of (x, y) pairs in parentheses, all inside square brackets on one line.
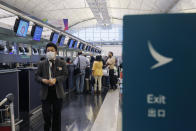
[(62, 58), (51, 45), (68, 60), (111, 53), (80, 53), (99, 58)]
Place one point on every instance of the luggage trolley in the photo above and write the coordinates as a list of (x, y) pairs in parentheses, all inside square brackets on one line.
[(7, 113)]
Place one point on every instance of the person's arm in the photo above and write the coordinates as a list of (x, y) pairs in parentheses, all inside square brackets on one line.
[(108, 62), (75, 61), (87, 62), (64, 74), (93, 68), (38, 75), (113, 60)]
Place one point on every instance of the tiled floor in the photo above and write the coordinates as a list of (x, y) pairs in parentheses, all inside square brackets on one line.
[(78, 114), (107, 119)]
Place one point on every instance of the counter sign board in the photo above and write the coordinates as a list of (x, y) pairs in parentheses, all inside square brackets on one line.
[(159, 64)]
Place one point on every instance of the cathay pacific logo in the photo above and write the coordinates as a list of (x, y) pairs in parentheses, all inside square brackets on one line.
[(161, 60)]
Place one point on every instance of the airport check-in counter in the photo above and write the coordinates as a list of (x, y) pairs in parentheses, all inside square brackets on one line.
[(21, 82), (10, 84), (29, 91)]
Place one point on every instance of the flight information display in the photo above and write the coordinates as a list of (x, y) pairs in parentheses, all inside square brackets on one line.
[(37, 33), (76, 43), (62, 41), (22, 28), (81, 45), (55, 38), (71, 43)]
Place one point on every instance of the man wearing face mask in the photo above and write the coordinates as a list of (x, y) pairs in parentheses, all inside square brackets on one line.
[(51, 73), (111, 63)]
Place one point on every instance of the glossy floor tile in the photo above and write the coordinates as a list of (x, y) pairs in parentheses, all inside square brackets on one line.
[(107, 118), (78, 114)]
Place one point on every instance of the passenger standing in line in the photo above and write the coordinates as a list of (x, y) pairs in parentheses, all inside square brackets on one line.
[(51, 73), (68, 61), (92, 59), (83, 63), (61, 58), (92, 79), (98, 73), (111, 63)]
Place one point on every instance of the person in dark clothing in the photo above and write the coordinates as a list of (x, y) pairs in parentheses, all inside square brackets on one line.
[(111, 64), (92, 80), (51, 73), (62, 59), (92, 59), (68, 61)]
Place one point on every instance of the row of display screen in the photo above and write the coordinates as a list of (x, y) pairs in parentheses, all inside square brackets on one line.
[(74, 44), (21, 29)]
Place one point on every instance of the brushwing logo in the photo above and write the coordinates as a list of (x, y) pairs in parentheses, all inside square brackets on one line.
[(161, 60)]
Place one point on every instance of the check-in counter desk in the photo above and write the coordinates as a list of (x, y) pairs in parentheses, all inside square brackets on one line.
[(21, 82), (9, 83), (29, 91)]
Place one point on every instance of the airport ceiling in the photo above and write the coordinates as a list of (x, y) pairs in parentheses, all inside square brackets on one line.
[(86, 13)]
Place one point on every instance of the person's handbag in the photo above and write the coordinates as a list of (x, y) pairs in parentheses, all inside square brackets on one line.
[(77, 70), (106, 72)]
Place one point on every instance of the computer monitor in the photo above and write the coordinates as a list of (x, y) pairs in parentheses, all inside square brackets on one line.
[(54, 37), (61, 40), (70, 43), (75, 44), (21, 27), (36, 32)]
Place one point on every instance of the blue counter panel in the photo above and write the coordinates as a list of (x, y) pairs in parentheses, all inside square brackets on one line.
[(9, 84)]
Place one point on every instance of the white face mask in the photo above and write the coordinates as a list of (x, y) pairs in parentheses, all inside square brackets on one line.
[(51, 55)]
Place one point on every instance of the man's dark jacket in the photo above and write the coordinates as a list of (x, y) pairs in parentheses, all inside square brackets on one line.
[(61, 74)]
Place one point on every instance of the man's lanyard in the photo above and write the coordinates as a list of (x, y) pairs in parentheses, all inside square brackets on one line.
[(50, 72), (51, 65)]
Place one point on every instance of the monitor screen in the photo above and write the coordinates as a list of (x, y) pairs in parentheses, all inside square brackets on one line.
[(81, 45), (86, 47), (54, 37), (89, 48), (37, 33), (22, 28), (76, 43), (71, 43), (62, 39)]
